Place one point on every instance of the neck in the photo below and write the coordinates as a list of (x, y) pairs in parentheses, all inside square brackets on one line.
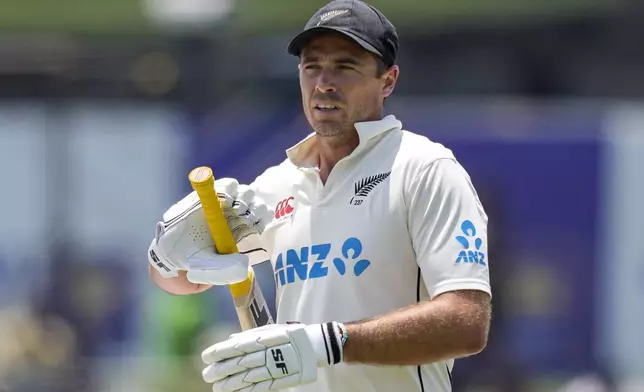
[(332, 149)]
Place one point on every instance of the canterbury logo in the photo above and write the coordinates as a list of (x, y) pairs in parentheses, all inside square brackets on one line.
[(284, 208), (366, 185)]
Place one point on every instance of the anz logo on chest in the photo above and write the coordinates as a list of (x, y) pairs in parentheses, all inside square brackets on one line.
[(320, 260)]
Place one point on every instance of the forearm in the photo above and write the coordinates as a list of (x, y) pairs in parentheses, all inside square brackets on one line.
[(453, 325)]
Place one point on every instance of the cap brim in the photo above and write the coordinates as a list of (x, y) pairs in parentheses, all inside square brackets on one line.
[(300, 40)]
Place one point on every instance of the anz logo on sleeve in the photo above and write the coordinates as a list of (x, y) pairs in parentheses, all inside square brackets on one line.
[(471, 243), (320, 260)]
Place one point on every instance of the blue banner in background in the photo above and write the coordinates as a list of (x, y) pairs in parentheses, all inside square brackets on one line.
[(541, 202), (536, 170)]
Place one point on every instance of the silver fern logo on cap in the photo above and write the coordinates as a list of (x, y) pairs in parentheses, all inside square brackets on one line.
[(330, 15)]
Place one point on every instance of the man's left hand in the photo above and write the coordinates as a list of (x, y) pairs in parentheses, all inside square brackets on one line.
[(272, 357)]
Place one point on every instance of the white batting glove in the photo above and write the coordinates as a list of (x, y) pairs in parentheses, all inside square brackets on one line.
[(183, 241), (273, 357)]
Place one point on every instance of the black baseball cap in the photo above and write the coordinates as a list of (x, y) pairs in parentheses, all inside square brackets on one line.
[(357, 20)]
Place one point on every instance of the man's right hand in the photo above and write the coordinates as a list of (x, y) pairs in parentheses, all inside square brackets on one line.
[(182, 254)]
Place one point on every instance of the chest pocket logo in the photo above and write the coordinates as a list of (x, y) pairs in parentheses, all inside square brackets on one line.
[(363, 187)]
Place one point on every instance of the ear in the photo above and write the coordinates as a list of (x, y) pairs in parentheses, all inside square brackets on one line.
[(391, 77)]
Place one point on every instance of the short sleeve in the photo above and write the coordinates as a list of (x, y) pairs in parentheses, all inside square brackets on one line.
[(448, 228), (266, 185)]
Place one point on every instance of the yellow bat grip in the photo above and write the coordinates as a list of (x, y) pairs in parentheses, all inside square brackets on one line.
[(203, 182)]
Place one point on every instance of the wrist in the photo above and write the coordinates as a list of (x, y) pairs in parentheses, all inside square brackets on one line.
[(344, 336), (327, 340)]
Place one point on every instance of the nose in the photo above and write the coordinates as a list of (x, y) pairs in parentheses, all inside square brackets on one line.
[(325, 82)]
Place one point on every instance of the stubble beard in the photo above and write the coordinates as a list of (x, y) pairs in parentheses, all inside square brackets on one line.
[(327, 129), (331, 128)]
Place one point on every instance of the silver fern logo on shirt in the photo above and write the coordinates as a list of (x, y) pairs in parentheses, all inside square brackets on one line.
[(363, 187)]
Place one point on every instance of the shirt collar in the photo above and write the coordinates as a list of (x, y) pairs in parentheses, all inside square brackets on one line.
[(304, 153)]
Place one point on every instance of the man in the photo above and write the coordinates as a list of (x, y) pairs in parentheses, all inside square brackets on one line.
[(377, 239)]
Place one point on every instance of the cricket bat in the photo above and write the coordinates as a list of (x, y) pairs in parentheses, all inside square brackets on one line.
[(250, 305)]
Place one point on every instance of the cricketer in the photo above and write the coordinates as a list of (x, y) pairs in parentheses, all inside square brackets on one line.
[(376, 235)]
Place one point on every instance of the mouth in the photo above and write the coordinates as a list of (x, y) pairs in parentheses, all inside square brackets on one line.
[(326, 108)]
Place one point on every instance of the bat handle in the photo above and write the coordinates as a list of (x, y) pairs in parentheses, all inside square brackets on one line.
[(203, 182)]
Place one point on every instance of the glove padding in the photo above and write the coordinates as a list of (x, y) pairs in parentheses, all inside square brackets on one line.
[(183, 241), (272, 357)]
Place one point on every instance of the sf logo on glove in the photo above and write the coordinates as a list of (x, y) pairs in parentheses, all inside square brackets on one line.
[(278, 357), (271, 357)]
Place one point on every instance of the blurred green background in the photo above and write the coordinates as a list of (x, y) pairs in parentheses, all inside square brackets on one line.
[(251, 16)]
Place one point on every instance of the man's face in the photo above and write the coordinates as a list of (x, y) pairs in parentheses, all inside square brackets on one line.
[(340, 84)]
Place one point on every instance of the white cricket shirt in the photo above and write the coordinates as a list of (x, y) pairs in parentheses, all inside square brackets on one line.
[(398, 221)]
